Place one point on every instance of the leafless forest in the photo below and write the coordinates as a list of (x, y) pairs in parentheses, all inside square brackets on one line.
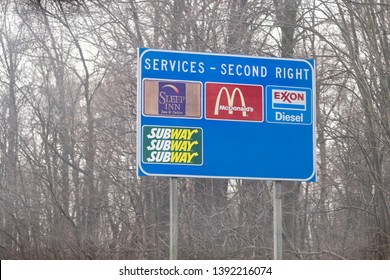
[(68, 186)]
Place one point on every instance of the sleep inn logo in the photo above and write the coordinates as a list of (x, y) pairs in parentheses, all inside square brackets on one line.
[(171, 98), (165, 98)]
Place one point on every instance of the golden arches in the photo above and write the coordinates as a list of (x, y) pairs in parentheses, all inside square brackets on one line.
[(230, 100)]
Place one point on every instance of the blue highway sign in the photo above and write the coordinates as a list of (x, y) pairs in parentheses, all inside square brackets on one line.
[(225, 116)]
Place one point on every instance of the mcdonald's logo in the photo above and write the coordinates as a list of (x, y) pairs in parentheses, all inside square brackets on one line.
[(230, 101), (234, 102)]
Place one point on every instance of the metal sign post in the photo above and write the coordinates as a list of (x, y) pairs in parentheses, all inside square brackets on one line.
[(174, 221), (278, 229)]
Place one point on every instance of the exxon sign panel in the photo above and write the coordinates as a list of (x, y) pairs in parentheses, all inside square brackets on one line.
[(225, 116)]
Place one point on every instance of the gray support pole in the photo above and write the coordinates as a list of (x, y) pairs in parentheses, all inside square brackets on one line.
[(278, 220), (174, 221)]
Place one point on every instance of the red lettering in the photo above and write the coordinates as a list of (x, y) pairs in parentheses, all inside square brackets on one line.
[(287, 96)]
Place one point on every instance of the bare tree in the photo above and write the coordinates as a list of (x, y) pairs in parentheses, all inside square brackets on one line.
[(68, 184)]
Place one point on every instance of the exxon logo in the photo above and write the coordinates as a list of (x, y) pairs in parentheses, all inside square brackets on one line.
[(288, 99)]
